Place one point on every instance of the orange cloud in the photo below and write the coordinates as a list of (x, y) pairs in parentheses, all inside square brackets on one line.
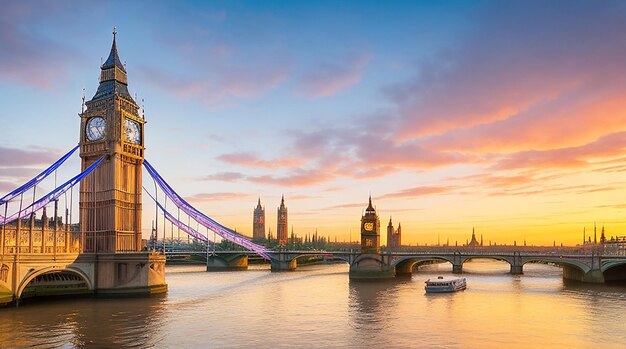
[(419, 191)]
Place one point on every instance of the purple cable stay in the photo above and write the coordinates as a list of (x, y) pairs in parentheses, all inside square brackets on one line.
[(51, 196), (40, 177), (187, 229), (204, 219)]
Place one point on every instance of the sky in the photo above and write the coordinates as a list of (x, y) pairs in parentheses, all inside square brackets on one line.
[(509, 117)]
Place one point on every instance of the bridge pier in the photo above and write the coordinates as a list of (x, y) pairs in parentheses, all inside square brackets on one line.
[(517, 269), (372, 267), (457, 268), (404, 270), (233, 263), (283, 265), (593, 276)]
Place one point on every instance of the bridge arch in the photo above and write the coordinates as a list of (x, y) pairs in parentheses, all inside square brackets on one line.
[(614, 270), (52, 270), (564, 263), (405, 265), (493, 258), (323, 255)]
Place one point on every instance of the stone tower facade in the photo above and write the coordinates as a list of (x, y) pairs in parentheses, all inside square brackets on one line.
[(370, 230), (281, 229), (394, 237), (258, 223), (110, 197)]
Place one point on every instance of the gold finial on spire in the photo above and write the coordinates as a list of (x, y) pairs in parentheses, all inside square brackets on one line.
[(114, 31)]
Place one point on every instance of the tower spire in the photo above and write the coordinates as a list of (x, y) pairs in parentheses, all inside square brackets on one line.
[(113, 76), (114, 59)]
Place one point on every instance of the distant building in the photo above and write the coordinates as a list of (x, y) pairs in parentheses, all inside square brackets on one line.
[(370, 230), (474, 242), (281, 229), (258, 223), (394, 237)]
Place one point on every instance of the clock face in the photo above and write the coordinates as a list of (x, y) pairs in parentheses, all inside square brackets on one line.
[(369, 226), (133, 131), (95, 129)]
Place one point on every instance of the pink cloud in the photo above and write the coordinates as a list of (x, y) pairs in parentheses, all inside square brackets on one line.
[(298, 178), (224, 177), (250, 160), (607, 146), (217, 196), (331, 78), (12, 157), (419, 191), (499, 71)]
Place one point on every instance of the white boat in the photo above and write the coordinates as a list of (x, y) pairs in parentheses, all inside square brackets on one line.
[(445, 284)]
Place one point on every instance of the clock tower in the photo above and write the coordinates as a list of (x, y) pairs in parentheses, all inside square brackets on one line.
[(281, 226), (110, 197), (370, 231)]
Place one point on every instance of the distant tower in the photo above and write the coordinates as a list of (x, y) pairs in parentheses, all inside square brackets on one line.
[(393, 236), (281, 229), (370, 230), (602, 237), (399, 235), (258, 223), (390, 237), (473, 242)]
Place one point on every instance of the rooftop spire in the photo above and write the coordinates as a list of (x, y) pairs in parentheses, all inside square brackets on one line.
[(114, 58), (370, 207), (113, 76)]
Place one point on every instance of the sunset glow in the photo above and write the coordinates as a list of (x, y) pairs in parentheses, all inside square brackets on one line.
[(453, 115)]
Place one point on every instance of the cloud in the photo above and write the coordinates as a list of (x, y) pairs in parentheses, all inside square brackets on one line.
[(224, 177), (250, 160), (297, 178), (27, 57), (419, 191), (221, 88), (607, 146), (217, 196), (28, 157), (498, 70), (351, 205), (330, 78)]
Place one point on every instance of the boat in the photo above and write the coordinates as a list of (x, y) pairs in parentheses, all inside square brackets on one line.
[(445, 284)]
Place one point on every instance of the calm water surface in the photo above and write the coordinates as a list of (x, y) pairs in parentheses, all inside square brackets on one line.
[(317, 306)]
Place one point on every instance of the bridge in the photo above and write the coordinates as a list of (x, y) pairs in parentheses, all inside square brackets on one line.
[(576, 265), (103, 254)]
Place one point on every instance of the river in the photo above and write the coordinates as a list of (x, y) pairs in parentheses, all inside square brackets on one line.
[(318, 306)]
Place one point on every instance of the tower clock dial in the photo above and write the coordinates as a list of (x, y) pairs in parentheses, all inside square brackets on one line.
[(369, 226), (132, 131), (95, 129)]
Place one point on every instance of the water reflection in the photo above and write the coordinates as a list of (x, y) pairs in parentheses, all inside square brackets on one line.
[(320, 307), (83, 322)]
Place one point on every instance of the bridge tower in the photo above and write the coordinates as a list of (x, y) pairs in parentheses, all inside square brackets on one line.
[(370, 230), (110, 197), (370, 264), (281, 229), (258, 223)]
